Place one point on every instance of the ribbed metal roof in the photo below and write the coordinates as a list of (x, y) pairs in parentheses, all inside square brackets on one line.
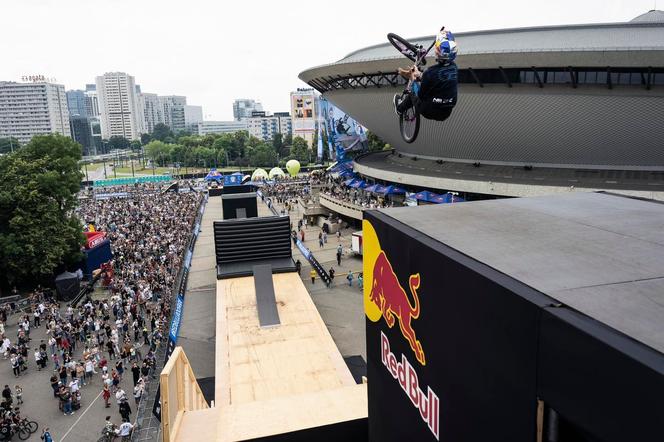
[(645, 32), (652, 16)]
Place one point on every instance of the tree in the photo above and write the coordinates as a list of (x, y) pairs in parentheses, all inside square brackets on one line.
[(159, 152), (161, 132), (135, 145), (39, 232), (145, 139), (375, 142), (300, 150), (118, 142), (288, 139), (278, 142), (262, 154), (8, 145)]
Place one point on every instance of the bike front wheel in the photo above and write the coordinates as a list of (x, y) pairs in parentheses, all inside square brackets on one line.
[(404, 46), (31, 426), (409, 124)]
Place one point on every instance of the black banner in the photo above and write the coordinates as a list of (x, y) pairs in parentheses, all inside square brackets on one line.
[(451, 350)]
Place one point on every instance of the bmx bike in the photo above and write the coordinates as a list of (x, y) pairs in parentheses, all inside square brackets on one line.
[(409, 119)]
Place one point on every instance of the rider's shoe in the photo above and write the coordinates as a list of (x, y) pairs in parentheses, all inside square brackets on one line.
[(395, 102)]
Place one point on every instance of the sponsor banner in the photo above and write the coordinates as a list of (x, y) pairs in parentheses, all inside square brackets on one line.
[(451, 353), (106, 196), (177, 317), (344, 134)]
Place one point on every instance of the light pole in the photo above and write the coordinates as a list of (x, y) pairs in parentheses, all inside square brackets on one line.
[(452, 195)]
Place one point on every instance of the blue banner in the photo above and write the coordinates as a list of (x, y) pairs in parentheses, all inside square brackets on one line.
[(177, 318)]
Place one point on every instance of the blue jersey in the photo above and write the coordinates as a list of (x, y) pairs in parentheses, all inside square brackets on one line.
[(439, 86)]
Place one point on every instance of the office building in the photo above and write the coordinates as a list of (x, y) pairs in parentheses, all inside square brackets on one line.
[(118, 106), (91, 101), (303, 111), (152, 110), (28, 109), (192, 116), (243, 108), (76, 103), (81, 132), (173, 109), (220, 127), (265, 126)]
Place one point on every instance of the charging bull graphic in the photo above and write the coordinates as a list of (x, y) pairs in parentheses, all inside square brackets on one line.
[(387, 293)]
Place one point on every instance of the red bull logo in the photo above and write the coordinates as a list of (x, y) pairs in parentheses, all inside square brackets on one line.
[(394, 303), (385, 297)]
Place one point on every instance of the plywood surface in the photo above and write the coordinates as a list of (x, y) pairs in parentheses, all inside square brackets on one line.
[(258, 364), (282, 415)]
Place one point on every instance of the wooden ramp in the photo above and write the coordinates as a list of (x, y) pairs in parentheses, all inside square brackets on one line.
[(273, 380)]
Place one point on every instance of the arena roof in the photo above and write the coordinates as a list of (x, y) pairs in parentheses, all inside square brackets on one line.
[(639, 42), (644, 32)]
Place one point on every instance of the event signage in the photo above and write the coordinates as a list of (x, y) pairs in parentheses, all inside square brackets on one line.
[(404, 372), (438, 331), (177, 317)]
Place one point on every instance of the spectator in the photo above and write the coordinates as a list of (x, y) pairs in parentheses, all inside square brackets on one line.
[(312, 273), (339, 252), (106, 394), (349, 277)]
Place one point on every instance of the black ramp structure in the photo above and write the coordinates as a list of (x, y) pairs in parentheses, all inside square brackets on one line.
[(266, 303), (239, 205), (479, 312), (240, 244)]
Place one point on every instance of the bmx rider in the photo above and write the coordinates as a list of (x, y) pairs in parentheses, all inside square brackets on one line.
[(434, 92)]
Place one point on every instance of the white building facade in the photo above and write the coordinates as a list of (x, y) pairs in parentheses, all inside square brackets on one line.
[(304, 108), (152, 110), (221, 127), (264, 127), (28, 109), (243, 108), (118, 106), (173, 109), (192, 116)]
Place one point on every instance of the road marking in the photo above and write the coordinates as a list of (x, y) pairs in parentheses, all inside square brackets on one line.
[(81, 416)]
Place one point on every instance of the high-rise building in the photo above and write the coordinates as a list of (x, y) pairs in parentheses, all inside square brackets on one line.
[(118, 106), (220, 127), (81, 132), (265, 126), (28, 109), (303, 110), (192, 116), (76, 103), (173, 108), (152, 110), (242, 108), (91, 101)]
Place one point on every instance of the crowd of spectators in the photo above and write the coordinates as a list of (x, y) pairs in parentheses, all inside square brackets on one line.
[(336, 188), (119, 331)]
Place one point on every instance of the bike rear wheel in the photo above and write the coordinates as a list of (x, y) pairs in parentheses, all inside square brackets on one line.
[(409, 124), (23, 433), (404, 46)]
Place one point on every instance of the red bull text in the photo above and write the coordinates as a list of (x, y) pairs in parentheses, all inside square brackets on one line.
[(428, 404)]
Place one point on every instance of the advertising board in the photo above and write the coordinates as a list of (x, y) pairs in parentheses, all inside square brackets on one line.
[(451, 352)]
